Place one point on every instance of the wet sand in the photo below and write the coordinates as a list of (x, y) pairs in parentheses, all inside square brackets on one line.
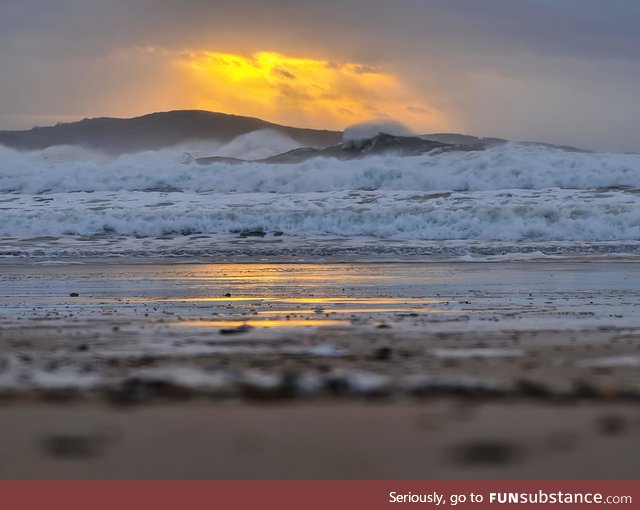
[(405, 370)]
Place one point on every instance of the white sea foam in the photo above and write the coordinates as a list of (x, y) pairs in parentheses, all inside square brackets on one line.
[(508, 193), (256, 145), (358, 134), (552, 214), (507, 167)]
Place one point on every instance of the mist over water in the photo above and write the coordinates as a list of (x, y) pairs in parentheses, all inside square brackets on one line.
[(358, 134)]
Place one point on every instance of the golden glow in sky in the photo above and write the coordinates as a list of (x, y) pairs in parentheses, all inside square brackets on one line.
[(303, 91)]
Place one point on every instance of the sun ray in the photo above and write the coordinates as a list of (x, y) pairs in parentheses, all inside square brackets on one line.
[(304, 91)]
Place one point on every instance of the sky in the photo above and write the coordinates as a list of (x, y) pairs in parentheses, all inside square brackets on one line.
[(560, 71)]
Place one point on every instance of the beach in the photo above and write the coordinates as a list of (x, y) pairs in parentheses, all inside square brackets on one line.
[(388, 242), (113, 368)]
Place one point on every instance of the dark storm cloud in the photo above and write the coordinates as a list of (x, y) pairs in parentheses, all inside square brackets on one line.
[(499, 67)]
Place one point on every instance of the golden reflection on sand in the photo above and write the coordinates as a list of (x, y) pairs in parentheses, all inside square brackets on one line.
[(274, 272), (351, 311), (306, 300), (260, 323)]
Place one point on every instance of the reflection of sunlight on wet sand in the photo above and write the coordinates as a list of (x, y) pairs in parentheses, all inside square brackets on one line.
[(273, 295), (356, 300), (308, 300), (273, 272), (286, 277), (353, 311), (260, 323), (325, 305)]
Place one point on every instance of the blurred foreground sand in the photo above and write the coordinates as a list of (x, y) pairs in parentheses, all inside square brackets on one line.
[(441, 438)]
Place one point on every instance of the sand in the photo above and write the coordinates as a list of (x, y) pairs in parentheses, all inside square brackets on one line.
[(440, 438), (404, 370)]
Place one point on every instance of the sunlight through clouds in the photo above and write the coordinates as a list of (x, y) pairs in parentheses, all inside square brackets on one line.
[(304, 91)]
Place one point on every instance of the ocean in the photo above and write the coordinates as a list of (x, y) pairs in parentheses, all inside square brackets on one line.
[(508, 202)]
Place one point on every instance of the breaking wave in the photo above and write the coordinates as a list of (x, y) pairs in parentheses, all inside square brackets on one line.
[(507, 193), (510, 166)]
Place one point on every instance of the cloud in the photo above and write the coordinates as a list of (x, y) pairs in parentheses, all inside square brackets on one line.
[(563, 70), (300, 90)]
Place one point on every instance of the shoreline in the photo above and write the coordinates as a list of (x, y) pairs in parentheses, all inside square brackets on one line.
[(262, 246)]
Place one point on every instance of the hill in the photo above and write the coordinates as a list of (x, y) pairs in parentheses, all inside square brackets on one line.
[(167, 129), (156, 131)]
